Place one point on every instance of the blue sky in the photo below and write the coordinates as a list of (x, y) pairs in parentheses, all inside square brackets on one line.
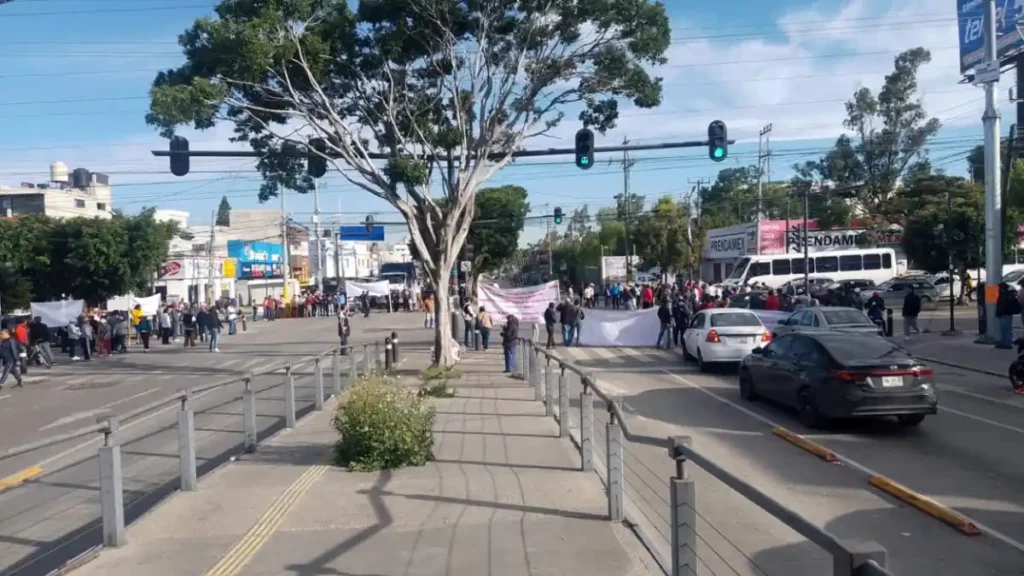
[(75, 74)]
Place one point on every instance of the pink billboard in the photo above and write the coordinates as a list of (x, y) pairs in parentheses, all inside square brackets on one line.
[(773, 234)]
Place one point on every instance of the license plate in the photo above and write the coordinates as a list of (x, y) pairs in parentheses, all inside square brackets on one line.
[(740, 340), (892, 381)]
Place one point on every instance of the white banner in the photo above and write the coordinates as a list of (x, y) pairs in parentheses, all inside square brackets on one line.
[(619, 327), (378, 288), (527, 304), (150, 304), (57, 314)]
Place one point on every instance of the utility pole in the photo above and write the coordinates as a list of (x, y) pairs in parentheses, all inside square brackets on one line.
[(763, 153), (627, 201), (993, 200), (316, 235), (551, 262), (287, 267), (339, 272), (209, 254)]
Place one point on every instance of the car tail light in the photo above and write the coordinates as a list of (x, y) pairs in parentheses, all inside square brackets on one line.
[(766, 337), (846, 376), (924, 373), (713, 337)]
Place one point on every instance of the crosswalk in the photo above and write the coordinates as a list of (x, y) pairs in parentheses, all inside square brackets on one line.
[(632, 359)]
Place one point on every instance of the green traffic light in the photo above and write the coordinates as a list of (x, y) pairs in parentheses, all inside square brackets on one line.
[(719, 152), (585, 161)]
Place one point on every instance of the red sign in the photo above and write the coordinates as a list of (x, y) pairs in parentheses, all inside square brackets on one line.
[(172, 268)]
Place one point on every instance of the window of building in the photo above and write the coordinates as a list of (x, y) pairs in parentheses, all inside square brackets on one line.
[(79, 203), (101, 206)]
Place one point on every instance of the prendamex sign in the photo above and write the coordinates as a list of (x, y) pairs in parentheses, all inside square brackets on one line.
[(824, 240), (727, 244)]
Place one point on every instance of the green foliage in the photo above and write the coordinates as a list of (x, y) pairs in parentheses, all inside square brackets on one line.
[(437, 390), (665, 237), (224, 212), (433, 373), (496, 241), (383, 426), (93, 259)]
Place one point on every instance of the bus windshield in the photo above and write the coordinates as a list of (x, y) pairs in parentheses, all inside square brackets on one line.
[(740, 270)]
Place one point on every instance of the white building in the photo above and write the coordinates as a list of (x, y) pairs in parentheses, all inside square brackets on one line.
[(356, 259), (80, 193), (191, 272)]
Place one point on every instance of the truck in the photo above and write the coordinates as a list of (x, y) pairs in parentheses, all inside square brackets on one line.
[(399, 275)]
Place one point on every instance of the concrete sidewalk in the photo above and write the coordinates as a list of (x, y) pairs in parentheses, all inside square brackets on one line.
[(504, 496)]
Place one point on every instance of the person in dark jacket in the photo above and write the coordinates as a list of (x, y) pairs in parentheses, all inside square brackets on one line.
[(188, 324), (577, 323), (39, 337), (680, 320), (565, 318), (911, 310), (10, 356), (508, 342), (550, 319), (213, 328), (344, 330), (665, 318), (1007, 306)]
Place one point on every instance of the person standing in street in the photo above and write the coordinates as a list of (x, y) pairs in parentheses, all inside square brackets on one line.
[(484, 325), (232, 312), (39, 336), (21, 336), (86, 340), (1007, 307), (165, 326), (145, 330), (119, 333), (911, 310), (550, 319), (10, 357), (509, 335), (665, 318), (103, 338), (213, 327), (188, 324)]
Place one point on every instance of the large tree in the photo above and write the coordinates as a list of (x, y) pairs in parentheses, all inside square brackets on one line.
[(444, 90), (224, 212), (494, 235), (665, 237)]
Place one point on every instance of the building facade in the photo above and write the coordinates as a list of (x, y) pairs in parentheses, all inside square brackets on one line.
[(80, 193)]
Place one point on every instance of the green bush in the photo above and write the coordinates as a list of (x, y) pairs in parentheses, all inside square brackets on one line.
[(383, 426), (439, 373), (439, 389)]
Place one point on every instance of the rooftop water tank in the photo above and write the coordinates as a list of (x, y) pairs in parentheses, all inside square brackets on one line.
[(58, 172), (80, 178)]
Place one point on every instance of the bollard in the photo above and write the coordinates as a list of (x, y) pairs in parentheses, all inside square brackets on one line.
[(394, 349), (376, 357), (476, 340), (387, 355), (683, 521), (549, 390), (454, 319), (353, 370), (888, 322), (289, 398), (336, 371), (187, 444), (318, 386), (249, 438), (563, 404), (367, 369), (521, 359), (111, 488), (538, 377), (613, 447), (586, 428)]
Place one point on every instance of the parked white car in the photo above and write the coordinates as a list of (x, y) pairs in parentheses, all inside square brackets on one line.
[(719, 335)]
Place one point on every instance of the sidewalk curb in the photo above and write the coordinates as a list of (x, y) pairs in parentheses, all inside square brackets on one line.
[(960, 366)]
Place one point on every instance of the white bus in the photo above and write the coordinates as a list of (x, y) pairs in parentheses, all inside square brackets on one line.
[(878, 264)]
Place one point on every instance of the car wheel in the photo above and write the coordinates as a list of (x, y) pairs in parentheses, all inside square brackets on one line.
[(700, 362), (910, 419), (926, 301), (747, 391), (809, 415)]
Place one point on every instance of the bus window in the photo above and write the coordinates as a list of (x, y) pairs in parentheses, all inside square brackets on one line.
[(886, 261), (826, 264), (738, 272), (872, 261), (781, 267), (798, 265), (851, 263), (760, 269)]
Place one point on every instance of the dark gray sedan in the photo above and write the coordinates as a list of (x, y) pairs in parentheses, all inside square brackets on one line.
[(833, 318)]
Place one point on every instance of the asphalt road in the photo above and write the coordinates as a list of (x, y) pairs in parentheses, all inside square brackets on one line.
[(967, 457), (54, 516)]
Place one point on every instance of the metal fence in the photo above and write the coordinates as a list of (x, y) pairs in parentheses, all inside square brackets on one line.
[(376, 357), (550, 377)]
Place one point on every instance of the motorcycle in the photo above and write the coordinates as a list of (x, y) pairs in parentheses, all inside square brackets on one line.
[(1016, 371)]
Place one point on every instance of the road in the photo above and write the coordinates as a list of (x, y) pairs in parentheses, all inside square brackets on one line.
[(967, 457), (53, 517)]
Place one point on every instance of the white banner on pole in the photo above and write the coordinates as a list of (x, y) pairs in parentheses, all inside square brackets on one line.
[(619, 327), (56, 314), (380, 288), (527, 303), (150, 304)]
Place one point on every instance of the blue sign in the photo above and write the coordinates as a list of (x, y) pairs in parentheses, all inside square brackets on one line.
[(257, 259), (359, 234), (971, 15)]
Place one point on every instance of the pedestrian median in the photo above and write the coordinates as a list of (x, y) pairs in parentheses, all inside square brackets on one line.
[(503, 489)]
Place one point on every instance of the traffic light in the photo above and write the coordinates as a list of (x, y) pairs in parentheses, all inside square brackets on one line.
[(179, 162), (558, 215), (369, 224), (584, 148), (718, 141), (469, 252), (316, 164)]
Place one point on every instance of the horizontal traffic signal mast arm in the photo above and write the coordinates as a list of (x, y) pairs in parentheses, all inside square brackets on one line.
[(299, 153)]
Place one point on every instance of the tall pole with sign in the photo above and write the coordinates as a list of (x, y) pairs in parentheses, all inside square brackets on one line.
[(993, 208)]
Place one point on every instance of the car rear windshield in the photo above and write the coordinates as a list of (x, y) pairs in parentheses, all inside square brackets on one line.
[(733, 320), (862, 348), (850, 316)]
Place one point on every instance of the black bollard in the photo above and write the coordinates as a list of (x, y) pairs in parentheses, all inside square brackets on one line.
[(476, 340), (888, 322), (387, 355), (394, 348)]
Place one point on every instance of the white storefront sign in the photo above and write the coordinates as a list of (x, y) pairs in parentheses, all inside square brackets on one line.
[(527, 304), (823, 240), (613, 269), (731, 242)]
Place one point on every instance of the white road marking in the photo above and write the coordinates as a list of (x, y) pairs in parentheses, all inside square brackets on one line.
[(95, 412), (5, 396), (608, 355), (983, 420), (987, 398), (845, 460)]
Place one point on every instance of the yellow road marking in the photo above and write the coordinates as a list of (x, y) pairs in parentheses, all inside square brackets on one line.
[(19, 477), (246, 548)]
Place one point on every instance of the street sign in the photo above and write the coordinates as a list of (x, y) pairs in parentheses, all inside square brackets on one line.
[(465, 266), (971, 16)]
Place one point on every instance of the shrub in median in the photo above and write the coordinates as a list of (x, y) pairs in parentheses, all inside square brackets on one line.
[(383, 426)]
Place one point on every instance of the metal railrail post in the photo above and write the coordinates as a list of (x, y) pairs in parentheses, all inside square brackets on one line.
[(549, 390), (563, 404), (111, 488), (187, 443), (249, 417), (336, 371), (613, 436), (376, 357), (387, 355), (537, 375), (521, 360), (586, 428), (289, 398), (353, 368), (367, 369), (318, 386), (855, 558), (683, 511), (394, 349)]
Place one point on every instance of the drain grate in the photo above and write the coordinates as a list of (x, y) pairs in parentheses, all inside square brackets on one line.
[(91, 386)]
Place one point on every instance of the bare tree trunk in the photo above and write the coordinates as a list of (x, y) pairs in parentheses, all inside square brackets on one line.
[(442, 324), (471, 288)]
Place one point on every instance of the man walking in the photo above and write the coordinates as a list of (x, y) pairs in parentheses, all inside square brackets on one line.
[(9, 356), (911, 310)]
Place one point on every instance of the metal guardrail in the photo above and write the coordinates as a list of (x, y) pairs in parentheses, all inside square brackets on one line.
[(540, 368), (111, 480)]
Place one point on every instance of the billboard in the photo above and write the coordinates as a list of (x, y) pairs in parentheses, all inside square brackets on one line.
[(257, 259), (971, 17), (359, 234)]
